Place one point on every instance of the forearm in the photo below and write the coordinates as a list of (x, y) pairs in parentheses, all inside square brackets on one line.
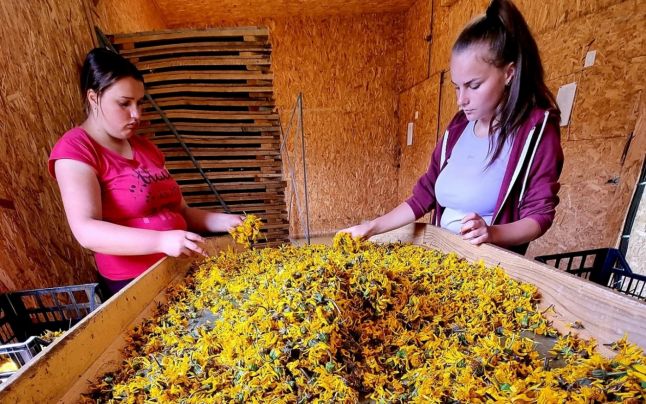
[(516, 233), (396, 218), (201, 220), (109, 238)]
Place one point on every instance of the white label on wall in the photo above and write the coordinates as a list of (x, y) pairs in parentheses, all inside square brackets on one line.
[(590, 58), (565, 100), (409, 134)]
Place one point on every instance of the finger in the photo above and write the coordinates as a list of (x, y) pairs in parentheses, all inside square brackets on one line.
[(197, 248), (194, 237), (471, 234), (468, 226), (469, 216), (478, 240)]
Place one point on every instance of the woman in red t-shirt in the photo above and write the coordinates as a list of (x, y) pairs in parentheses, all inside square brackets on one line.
[(119, 199)]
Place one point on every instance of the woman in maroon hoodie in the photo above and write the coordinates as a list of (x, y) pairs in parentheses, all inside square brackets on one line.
[(493, 178)]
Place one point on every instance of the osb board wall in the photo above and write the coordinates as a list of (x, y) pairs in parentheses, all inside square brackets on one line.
[(419, 107), (596, 186), (196, 13), (348, 69), (37, 104), (43, 45), (126, 17), (417, 47)]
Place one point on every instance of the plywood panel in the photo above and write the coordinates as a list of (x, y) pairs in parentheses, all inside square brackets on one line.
[(609, 91), (203, 12), (584, 215), (449, 19), (348, 70), (418, 106), (37, 104), (417, 48), (135, 16)]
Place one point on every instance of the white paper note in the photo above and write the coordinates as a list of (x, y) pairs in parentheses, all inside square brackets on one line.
[(409, 134), (565, 100)]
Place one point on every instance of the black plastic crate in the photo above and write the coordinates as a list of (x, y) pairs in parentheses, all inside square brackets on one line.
[(18, 354), (31, 312), (604, 266)]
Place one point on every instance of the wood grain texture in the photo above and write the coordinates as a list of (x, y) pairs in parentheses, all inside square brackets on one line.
[(183, 13)]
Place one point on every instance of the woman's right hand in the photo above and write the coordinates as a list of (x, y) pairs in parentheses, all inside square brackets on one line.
[(362, 231), (179, 242)]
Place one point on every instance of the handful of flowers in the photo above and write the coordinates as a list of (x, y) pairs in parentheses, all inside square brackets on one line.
[(360, 321), (248, 232)]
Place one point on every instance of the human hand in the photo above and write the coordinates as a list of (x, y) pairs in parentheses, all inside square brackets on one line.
[(362, 231), (229, 221), (475, 230), (179, 242)]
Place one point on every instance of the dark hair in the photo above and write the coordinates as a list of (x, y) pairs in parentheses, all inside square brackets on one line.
[(101, 69), (504, 29)]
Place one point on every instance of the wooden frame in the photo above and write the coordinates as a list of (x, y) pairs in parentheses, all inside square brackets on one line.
[(62, 371)]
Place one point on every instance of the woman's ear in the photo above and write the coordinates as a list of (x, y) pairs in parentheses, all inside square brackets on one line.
[(510, 71), (92, 98)]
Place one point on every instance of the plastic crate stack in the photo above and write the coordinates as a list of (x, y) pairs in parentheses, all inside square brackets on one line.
[(604, 266), (25, 315)]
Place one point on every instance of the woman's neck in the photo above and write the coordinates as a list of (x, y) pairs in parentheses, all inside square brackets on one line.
[(481, 127), (101, 136)]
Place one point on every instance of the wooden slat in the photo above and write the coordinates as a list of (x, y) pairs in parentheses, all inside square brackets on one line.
[(214, 151), (229, 175), (226, 186), (211, 127), (171, 139), (207, 102), (195, 47), (166, 35), (264, 196), (209, 88), (269, 207), (224, 164), (187, 75), (183, 61), (197, 114)]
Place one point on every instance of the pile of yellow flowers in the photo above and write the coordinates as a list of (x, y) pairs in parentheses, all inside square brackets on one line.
[(248, 232), (361, 322)]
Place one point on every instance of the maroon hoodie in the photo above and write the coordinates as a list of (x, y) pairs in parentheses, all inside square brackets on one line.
[(536, 144)]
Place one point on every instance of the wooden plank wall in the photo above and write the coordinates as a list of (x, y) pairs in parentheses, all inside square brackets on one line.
[(216, 87), (600, 169)]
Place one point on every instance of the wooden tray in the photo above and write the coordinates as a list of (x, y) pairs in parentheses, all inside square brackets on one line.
[(62, 371)]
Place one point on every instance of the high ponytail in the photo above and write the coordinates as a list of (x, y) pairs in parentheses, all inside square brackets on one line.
[(510, 40)]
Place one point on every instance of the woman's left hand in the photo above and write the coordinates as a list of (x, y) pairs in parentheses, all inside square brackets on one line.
[(475, 230)]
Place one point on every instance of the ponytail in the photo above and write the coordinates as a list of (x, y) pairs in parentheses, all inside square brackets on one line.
[(509, 39)]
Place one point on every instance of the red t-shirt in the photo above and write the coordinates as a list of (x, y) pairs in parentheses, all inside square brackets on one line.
[(136, 193)]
